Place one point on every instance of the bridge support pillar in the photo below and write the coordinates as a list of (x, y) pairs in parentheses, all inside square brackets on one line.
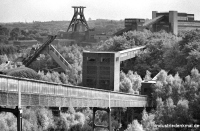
[(108, 110), (19, 119), (17, 112)]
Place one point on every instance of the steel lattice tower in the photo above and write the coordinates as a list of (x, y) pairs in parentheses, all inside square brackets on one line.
[(75, 22)]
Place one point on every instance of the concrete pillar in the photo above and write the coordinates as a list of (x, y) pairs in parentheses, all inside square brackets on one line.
[(154, 14), (116, 71), (19, 119), (173, 20)]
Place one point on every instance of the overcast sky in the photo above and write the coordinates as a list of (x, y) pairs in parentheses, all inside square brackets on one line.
[(47, 10)]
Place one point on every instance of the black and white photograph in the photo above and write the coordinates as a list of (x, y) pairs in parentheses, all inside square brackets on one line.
[(99, 65)]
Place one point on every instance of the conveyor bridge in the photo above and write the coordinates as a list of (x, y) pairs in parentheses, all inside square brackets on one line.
[(27, 92)]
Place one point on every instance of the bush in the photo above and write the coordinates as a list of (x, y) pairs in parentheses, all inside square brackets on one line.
[(7, 49), (3, 124), (136, 80), (44, 118), (23, 72), (135, 126), (29, 120), (73, 121), (3, 59), (35, 119), (130, 83), (148, 121), (8, 122)]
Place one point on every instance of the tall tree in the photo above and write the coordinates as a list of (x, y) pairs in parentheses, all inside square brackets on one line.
[(15, 33), (135, 126)]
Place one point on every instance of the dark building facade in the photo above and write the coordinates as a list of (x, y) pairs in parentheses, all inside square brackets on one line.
[(131, 24), (134, 24), (101, 70)]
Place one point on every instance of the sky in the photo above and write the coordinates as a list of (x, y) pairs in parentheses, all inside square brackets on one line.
[(58, 10)]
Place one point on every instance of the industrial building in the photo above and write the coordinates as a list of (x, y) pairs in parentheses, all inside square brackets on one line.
[(101, 37), (131, 24), (171, 21), (79, 30), (134, 24), (101, 69)]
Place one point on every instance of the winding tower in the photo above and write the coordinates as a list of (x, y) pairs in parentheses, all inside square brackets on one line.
[(78, 22)]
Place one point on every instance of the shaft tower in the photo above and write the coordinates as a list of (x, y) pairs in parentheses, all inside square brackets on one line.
[(78, 22)]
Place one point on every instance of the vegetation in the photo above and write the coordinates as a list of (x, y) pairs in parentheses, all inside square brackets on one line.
[(3, 59), (23, 72), (176, 92), (135, 126), (8, 122), (73, 54), (130, 83), (177, 99), (42, 119), (7, 49)]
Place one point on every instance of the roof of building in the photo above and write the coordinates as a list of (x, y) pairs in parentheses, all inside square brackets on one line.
[(96, 52)]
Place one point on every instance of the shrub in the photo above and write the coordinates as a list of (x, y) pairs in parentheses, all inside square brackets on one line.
[(135, 126), (7, 49), (130, 83), (23, 72), (3, 59), (8, 122), (148, 121), (44, 118), (29, 121)]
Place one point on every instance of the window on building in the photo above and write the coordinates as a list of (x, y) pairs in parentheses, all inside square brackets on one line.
[(145, 90), (91, 59), (104, 84), (105, 60), (91, 70), (90, 82)]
